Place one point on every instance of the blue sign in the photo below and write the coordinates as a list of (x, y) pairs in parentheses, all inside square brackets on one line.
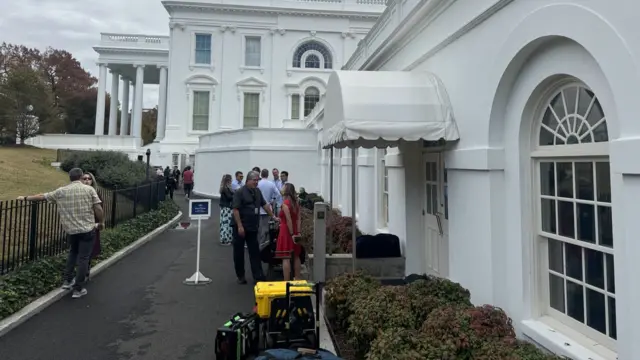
[(200, 208)]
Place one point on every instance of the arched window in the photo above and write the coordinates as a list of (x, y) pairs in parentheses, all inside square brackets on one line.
[(574, 209), (311, 98), (312, 54)]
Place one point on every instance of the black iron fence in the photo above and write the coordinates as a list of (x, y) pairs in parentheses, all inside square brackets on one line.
[(32, 230)]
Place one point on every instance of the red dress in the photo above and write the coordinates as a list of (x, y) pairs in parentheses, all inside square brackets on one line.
[(285, 241)]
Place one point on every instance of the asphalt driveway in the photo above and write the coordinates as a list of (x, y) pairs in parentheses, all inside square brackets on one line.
[(139, 308)]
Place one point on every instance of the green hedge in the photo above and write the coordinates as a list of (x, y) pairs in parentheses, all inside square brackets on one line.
[(431, 318), (111, 168), (19, 288)]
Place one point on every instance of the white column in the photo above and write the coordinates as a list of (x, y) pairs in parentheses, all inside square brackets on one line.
[(290, 104), (124, 120), (366, 188), (113, 108), (102, 79), (136, 128), (397, 195), (345, 182), (301, 111), (162, 104)]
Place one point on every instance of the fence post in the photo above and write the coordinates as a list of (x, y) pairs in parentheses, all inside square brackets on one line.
[(33, 231), (135, 202), (114, 203), (149, 197)]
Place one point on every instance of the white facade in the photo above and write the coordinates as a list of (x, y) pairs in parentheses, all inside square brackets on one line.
[(226, 65), (557, 249)]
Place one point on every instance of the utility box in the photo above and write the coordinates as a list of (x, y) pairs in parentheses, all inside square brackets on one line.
[(321, 213)]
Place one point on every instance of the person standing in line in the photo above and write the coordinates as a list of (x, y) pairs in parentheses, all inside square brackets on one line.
[(284, 177), (79, 208), (187, 179), (176, 175), (290, 232), (167, 172), (272, 196), (237, 183), (90, 180), (226, 199), (246, 205)]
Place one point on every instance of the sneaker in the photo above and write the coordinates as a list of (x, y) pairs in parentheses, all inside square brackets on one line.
[(242, 281), (67, 285), (79, 293)]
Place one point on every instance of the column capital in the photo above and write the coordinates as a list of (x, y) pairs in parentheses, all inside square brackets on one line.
[(111, 71), (101, 63), (163, 66), (139, 65), (125, 78)]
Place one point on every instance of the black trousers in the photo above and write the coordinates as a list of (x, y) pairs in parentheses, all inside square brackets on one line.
[(251, 239)]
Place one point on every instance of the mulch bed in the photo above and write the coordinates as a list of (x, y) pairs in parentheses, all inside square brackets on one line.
[(341, 343)]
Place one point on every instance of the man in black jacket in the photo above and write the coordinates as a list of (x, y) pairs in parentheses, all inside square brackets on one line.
[(247, 202)]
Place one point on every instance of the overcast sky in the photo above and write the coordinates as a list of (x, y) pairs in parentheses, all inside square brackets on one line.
[(75, 26)]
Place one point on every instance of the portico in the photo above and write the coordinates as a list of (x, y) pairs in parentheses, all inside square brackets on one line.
[(132, 61)]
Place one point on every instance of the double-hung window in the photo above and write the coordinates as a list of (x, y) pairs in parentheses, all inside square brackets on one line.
[(253, 51), (203, 49)]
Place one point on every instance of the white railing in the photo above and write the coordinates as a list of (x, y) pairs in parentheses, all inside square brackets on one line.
[(133, 40)]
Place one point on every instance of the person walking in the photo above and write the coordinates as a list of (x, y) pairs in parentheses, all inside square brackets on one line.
[(187, 180), (272, 196), (246, 205), (226, 199), (290, 232), (90, 180), (237, 183), (81, 214)]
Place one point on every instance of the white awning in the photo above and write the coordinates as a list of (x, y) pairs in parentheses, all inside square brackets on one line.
[(382, 108)]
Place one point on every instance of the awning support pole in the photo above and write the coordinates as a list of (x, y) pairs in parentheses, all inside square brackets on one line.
[(354, 163), (330, 215)]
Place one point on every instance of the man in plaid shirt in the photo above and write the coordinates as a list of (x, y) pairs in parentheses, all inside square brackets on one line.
[(78, 208)]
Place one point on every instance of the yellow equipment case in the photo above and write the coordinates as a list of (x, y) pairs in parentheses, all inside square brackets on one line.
[(266, 292)]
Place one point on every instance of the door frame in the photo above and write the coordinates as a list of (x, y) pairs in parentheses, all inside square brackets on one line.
[(442, 221)]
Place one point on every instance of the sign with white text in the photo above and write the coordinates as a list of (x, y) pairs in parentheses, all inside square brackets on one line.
[(200, 209)]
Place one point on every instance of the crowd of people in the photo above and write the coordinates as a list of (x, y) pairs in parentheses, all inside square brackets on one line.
[(247, 207)]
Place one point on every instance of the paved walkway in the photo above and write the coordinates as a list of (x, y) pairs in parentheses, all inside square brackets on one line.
[(139, 308)]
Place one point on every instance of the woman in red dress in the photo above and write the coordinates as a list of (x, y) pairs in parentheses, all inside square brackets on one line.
[(289, 231)]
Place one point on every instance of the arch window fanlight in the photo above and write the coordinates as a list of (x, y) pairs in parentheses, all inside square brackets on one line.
[(574, 116), (574, 211), (312, 54), (311, 98)]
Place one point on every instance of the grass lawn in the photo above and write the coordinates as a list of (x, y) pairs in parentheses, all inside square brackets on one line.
[(27, 170)]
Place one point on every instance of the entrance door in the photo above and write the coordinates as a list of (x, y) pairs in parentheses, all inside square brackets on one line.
[(436, 215)]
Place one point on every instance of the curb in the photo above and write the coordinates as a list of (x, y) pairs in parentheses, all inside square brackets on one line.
[(44, 301)]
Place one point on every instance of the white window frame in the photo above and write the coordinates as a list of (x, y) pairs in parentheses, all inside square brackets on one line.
[(244, 94), (192, 62), (201, 83), (244, 65), (251, 85), (175, 160), (294, 100), (571, 154), (303, 60), (191, 118)]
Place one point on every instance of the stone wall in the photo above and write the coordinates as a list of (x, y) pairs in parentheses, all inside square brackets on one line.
[(382, 268)]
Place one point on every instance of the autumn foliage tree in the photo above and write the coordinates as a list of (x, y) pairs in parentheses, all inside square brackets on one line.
[(53, 82)]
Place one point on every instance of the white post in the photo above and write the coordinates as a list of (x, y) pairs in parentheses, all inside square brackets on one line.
[(102, 79), (290, 104), (136, 129), (353, 206), (301, 109), (162, 104), (200, 209), (113, 108), (124, 120), (321, 212)]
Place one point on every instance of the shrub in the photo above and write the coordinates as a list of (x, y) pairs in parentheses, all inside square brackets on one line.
[(343, 290), (387, 307), (465, 330), (19, 288), (397, 344), (306, 232), (432, 292), (111, 169), (342, 234), (511, 349), (308, 200)]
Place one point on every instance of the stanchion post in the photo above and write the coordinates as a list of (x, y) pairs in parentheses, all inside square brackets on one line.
[(199, 209)]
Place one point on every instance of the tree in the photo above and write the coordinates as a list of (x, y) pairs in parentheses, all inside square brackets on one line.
[(25, 102), (149, 125)]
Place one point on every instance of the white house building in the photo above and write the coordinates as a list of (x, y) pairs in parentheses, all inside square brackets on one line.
[(508, 132), (227, 67)]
